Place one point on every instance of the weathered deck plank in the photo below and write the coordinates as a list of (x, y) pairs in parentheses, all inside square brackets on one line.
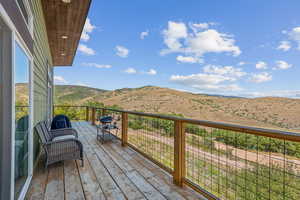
[(90, 185), (73, 188), (39, 183), (55, 184), (107, 183), (118, 175), (110, 172)]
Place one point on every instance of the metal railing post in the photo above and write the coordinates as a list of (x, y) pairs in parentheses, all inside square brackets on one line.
[(93, 116), (124, 128), (179, 153)]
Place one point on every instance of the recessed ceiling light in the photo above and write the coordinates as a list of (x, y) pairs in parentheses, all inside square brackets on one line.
[(63, 54), (64, 37), (66, 1)]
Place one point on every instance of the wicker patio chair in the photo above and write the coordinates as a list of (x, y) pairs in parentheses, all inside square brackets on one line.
[(61, 149)]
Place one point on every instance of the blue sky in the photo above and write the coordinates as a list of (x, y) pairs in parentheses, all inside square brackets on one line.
[(246, 48)]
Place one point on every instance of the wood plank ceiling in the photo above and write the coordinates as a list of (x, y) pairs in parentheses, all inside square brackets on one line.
[(64, 21)]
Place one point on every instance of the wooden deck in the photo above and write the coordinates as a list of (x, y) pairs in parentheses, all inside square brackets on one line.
[(110, 172)]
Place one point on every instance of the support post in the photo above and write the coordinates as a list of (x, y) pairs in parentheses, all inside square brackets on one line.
[(179, 153), (87, 111), (93, 116), (124, 128)]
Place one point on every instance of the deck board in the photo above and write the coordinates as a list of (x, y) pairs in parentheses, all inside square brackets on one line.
[(110, 172)]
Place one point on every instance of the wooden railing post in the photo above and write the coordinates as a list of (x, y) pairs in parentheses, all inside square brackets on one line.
[(87, 111), (124, 128), (103, 112), (93, 116), (179, 153)]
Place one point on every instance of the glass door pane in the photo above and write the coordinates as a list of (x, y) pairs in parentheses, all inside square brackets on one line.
[(21, 119)]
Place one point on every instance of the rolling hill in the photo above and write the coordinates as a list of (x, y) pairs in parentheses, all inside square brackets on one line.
[(269, 112)]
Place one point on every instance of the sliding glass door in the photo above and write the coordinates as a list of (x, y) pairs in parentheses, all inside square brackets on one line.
[(22, 120)]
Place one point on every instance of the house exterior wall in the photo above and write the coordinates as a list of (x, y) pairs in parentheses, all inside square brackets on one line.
[(42, 63)]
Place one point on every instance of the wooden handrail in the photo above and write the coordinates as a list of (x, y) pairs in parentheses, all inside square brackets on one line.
[(284, 135)]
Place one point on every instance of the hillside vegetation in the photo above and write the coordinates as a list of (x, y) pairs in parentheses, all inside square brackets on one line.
[(270, 112)]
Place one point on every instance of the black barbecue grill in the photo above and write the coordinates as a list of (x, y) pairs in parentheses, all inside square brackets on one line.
[(105, 129)]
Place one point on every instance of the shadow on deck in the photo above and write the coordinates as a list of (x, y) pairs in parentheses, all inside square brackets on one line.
[(110, 172)]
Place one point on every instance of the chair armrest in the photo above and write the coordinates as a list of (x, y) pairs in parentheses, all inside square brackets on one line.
[(64, 144), (64, 131)]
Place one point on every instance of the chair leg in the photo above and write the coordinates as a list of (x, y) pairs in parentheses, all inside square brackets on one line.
[(46, 163), (82, 162)]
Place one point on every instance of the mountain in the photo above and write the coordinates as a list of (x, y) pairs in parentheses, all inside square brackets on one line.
[(74, 94), (269, 112)]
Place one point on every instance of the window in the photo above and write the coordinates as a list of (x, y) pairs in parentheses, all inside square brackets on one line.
[(49, 92), (22, 118)]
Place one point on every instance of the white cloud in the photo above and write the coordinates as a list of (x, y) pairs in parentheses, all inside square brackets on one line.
[(261, 65), (208, 82), (173, 34), (201, 25), (213, 78), (82, 84), (295, 35), (242, 63), (151, 72), (59, 80), (280, 64), (200, 79), (130, 70), (88, 28), (96, 65), (122, 51), (211, 41), (196, 27), (284, 46), (86, 50), (197, 43), (188, 59), (261, 77), (277, 93), (228, 71), (144, 34)]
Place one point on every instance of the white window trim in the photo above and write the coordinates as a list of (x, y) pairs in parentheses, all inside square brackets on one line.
[(29, 24)]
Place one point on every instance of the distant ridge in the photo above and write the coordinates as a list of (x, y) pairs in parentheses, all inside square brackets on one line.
[(269, 112)]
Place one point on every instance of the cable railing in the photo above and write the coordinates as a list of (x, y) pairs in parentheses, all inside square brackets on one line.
[(221, 161)]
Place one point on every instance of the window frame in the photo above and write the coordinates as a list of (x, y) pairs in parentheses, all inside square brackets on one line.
[(17, 40), (28, 23), (49, 91)]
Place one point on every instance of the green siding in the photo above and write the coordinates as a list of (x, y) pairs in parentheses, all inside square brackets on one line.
[(42, 59)]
